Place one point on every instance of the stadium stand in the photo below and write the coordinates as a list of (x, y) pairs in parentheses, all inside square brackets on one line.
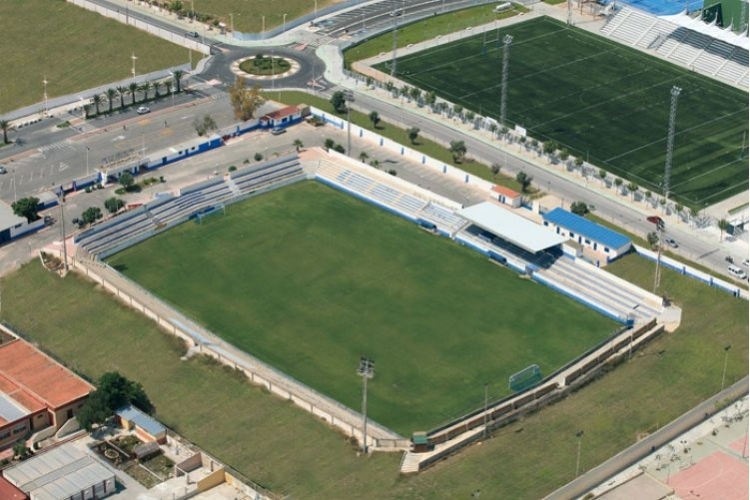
[(685, 42), (282, 169)]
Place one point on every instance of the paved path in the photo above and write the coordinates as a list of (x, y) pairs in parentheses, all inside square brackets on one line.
[(643, 448)]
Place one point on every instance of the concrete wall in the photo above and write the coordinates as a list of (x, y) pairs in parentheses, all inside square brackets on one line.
[(215, 478)]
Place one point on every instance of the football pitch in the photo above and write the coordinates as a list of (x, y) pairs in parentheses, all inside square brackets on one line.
[(308, 279), (601, 101)]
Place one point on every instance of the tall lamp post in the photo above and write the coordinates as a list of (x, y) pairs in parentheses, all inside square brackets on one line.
[(231, 23), (45, 95), (132, 69), (366, 370), (726, 360), (579, 435), (61, 201), (349, 98), (283, 25), (87, 160)]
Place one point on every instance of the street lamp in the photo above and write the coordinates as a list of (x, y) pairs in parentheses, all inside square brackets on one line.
[(132, 69), (726, 360), (262, 24), (171, 87), (579, 435), (87, 160), (283, 25), (315, 15), (231, 22), (349, 98), (61, 201), (366, 370), (45, 95)]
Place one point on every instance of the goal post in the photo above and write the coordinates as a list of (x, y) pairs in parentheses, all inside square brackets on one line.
[(206, 212), (529, 376)]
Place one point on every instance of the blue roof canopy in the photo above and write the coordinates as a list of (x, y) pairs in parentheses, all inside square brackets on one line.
[(586, 228)]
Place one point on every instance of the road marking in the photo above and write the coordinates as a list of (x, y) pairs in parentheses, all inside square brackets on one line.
[(64, 166), (118, 138)]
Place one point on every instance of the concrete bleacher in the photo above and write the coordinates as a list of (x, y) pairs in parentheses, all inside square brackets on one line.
[(443, 218), (602, 290), (267, 173), (692, 49)]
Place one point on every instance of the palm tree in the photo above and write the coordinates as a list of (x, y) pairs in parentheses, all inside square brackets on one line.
[(111, 93), (492, 128), (157, 88), (632, 187), (363, 156), (121, 91), (132, 88), (145, 87), (5, 127), (178, 79), (97, 101), (297, 144), (168, 86)]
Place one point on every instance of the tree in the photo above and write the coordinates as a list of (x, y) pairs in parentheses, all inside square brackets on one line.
[(579, 208), (504, 132), (693, 213), (97, 102), (258, 156), (618, 184), (168, 86), (245, 102), (524, 180), (663, 203), (647, 195), (458, 110), (415, 93), (652, 238), (458, 150), (602, 174), (204, 125), (339, 149), (413, 133), (5, 126), (20, 451), (121, 91), (127, 180), (495, 168), (549, 147), (431, 98), (470, 115), (678, 208), (723, 226), (405, 91), (113, 205), (564, 155), (329, 143), (443, 106), (578, 162), (374, 118), (91, 215), (145, 87), (375, 163), (112, 393), (297, 144), (338, 101), (632, 188), (363, 156), (178, 74), (27, 207), (132, 88), (111, 93), (492, 128)]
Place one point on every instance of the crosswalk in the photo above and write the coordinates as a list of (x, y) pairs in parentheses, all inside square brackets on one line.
[(58, 146)]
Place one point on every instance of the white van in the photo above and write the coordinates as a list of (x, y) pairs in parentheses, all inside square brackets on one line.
[(736, 272)]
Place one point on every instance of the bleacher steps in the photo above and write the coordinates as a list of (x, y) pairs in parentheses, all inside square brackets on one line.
[(233, 187), (157, 223), (409, 463)]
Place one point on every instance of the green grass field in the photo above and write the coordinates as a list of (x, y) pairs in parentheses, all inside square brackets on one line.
[(74, 49), (308, 279), (285, 449), (600, 100)]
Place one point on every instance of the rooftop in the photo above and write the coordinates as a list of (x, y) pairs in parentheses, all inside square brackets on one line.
[(28, 375), (7, 218), (586, 228), (511, 227), (506, 191), (137, 417)]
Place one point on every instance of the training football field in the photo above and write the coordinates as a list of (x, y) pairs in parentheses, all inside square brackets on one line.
[(601, 101), (308, 279)]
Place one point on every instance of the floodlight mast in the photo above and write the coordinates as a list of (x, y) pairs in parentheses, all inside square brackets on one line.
[(675, 92), (507, 40), (366, 370)]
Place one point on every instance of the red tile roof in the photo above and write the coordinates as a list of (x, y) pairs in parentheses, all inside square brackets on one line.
[(10, 492), (281, 113), (506, 191), (38, 377)]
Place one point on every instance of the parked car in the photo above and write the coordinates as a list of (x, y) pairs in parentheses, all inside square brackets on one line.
[(671, 242), (395, 13), (3, 170), (654, 219), (746, 262), (736, 272), (278, 131), (142, 110), (192, 34)]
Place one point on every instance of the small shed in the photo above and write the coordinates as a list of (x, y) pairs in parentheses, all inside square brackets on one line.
[(146, 428), (421, 442), (507, 196), (283, 117), (587, 233), (145, 450)]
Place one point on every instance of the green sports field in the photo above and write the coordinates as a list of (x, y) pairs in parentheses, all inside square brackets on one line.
[(600, 100), (308, 279)]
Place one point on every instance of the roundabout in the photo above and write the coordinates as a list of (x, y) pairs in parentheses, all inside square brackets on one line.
[(264, 67)]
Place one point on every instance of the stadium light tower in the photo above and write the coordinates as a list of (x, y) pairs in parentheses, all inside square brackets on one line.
[(366, 370), (675, 92), (507, 40)]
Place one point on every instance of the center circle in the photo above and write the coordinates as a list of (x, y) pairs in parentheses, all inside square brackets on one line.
[(264, 65)]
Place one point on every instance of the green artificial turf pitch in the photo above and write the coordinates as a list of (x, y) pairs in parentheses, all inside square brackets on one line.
[(601, 100), (308, 279)]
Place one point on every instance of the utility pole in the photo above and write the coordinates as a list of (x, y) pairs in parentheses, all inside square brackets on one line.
[(349, 98), (61, 200), (660, 234), (395, 45), (507, 40), (133, 58), (726, 360), (45, 95), (366, 370)]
